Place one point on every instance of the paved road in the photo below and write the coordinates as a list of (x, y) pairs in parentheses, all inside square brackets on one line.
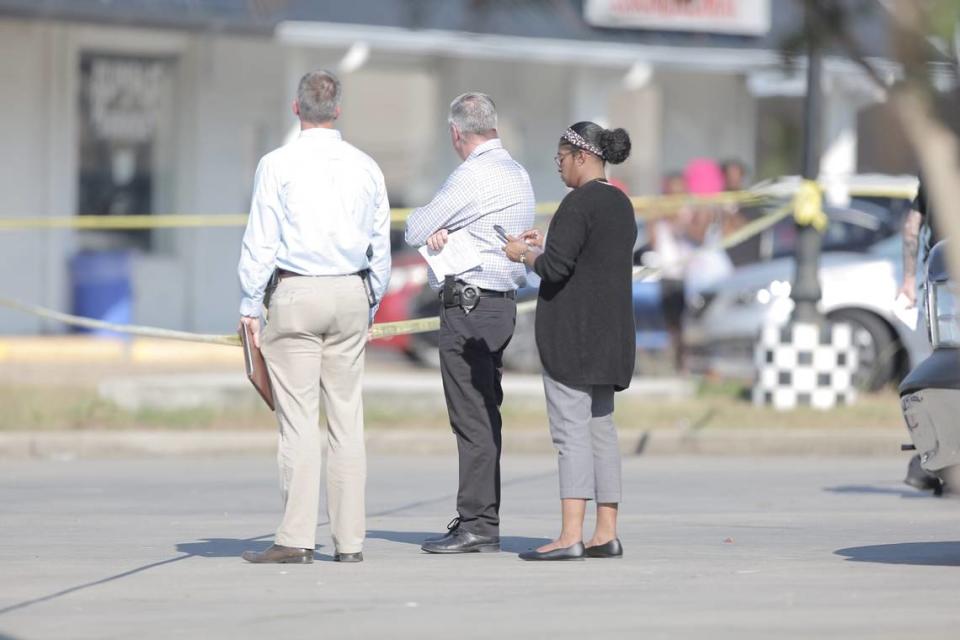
[(716, 548)]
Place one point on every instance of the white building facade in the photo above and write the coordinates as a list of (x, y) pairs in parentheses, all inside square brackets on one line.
[(152, 118)]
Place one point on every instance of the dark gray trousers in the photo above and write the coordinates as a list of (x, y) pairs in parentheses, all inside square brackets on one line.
[(471, 365)]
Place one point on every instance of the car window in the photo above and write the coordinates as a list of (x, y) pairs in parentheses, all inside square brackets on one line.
[(854, 228), (840, 235)]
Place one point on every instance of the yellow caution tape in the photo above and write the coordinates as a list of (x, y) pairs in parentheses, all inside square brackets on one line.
[(645, 206), (90, 323), (165, 221), (382, 330), (754, 227), (404, 327), (662, 204), (808, 206)]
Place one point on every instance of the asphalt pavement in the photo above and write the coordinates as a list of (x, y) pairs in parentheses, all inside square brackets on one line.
[(731, 547)]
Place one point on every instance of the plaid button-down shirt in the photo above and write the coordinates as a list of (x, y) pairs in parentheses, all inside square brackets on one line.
[(489, 188)]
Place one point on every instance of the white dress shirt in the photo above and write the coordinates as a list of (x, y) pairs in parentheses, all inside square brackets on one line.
[(488, 188), (318, 205)]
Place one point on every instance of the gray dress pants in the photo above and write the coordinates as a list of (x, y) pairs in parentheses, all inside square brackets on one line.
[(471, 365), (581, 425)]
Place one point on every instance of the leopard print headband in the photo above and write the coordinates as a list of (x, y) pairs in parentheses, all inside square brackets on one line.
[(579, 141)]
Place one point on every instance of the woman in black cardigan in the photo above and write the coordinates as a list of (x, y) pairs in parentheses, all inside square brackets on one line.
[(585, 332)]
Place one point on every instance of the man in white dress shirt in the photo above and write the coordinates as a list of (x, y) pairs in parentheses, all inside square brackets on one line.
[(478, 310), (319, 222)]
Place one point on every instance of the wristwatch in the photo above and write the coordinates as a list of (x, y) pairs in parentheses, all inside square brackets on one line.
[(523, 257)]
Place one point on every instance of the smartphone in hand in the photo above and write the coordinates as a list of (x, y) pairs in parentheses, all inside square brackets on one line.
[(501, 233)]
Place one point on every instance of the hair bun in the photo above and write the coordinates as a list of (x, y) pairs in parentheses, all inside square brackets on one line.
[(615, 144)]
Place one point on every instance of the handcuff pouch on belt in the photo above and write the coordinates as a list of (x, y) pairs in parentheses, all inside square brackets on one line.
[(459, 294)]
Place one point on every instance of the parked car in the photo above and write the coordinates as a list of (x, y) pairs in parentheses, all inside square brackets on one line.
[(930, 394), (857, 287), (885, 199), (407, 279)]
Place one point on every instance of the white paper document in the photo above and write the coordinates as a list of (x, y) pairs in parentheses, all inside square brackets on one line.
[(458, 255), (905, 313)]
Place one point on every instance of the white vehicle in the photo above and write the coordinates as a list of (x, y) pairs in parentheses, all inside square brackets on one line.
[(857, 287)]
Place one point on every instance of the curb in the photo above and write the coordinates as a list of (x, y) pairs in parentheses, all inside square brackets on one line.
[(195, 390), (771, 442)]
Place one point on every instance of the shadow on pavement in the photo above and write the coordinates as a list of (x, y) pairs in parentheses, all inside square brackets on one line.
[(232, 548), (934, 554), (222, 547), (863, 488), (225, 547), (510, 544)]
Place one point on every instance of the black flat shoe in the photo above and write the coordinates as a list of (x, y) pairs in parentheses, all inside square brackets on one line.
[(612, 549), (573, 552)]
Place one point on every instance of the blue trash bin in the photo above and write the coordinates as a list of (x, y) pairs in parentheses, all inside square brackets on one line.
[(100, 283)]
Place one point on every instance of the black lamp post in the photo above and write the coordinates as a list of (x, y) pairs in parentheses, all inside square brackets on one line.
[(806, 285)]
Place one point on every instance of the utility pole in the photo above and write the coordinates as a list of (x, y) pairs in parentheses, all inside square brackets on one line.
[(806, 286)]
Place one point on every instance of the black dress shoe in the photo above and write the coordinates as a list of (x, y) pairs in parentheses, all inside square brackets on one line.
[(348, 557), (460, 541), (573, 552), (612, 549), (452, 527), (921, 479), (278, 554)]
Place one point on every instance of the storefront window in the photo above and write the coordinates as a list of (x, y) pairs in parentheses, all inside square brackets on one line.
[(125, 113)]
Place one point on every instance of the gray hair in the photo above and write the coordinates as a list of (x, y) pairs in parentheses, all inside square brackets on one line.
[(473, 113), (318, 96)]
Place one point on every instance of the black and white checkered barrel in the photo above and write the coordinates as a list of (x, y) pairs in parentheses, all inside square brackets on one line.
[(805, 365)]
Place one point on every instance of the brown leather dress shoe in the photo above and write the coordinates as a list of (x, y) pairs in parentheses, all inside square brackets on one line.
[(278, 554)]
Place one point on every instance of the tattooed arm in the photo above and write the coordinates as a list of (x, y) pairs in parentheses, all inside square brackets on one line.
[(911, 244)]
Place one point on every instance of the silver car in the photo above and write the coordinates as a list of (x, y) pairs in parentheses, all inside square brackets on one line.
[(858, 287)]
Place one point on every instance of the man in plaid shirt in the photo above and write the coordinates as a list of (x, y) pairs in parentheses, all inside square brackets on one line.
[(478, 310)]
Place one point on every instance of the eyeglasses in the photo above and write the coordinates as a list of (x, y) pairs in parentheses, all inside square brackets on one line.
[(559, 158)]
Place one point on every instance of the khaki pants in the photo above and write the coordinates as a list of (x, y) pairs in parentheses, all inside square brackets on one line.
[(314, 345)]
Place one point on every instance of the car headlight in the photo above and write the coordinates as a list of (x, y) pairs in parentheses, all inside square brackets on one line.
[(943, 314), (764, 295)]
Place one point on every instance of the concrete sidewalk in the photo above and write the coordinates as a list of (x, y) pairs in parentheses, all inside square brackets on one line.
[(192, 390), (710, 441), (718, 548)]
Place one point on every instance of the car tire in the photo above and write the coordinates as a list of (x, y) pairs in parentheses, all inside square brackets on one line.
[(424, 354), (877, 348)]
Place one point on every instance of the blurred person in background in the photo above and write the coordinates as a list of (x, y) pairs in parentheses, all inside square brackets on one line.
[(735, 214), (673, 248), (478, 310), (734, 175), (318, 237), (920, 233), (709, 264), (585, 333)]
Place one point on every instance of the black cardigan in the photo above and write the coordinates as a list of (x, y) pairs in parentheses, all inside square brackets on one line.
[(585, 327)]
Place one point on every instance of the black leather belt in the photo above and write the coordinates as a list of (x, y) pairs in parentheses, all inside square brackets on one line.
[(488, 293), (456, 293)]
